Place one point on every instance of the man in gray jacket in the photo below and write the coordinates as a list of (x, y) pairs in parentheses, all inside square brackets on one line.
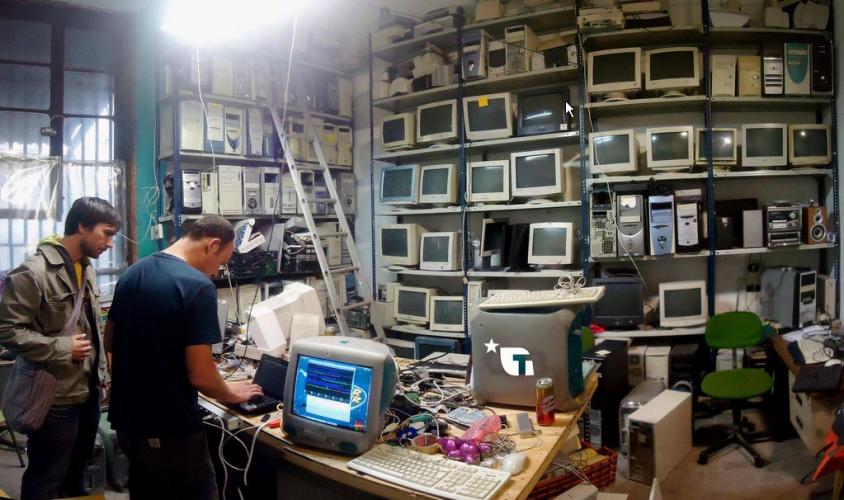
[(38, 301)]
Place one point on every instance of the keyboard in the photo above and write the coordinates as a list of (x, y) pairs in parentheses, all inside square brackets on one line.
[(257, 405), (432, 474), (812, 350), (520, 299)]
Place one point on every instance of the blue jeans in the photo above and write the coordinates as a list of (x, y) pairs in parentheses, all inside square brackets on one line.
[(59, 450)]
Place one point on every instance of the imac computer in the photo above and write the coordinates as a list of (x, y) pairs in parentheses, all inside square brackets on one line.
[(446, 314), (270, 320), (534, 174), (672, 70), (615, 72), (670, 148), (493, 243), (682, 303), (542, 113), (398, 244), (488, 116), (397, 131), (724, 146), (438, 184), (436, 121), (488, 181), (413, 304), (809, 145), (337, 391), (400, 185), (439, 252), (764, 145), (622, 303), (613, 152), (550, 243)]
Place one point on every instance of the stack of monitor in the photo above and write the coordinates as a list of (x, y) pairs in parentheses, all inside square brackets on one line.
[(424, 307), (519, 246), (408, 245), (617, 73), (531, 175), (681, 303), (403, 185)]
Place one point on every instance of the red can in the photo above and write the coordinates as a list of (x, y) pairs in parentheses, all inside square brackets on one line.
[(545, 401)]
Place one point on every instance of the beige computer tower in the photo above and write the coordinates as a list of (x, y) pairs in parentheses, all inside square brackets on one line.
[(749, 76), (656, 362), (724, 75), (660, 436)]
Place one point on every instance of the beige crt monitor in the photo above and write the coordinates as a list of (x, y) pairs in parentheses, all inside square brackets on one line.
[(413, 304), (488, 117), (724, 146), (438, 184), (439, 251), (613, 152), (397, 131), (615, 72), (446, 314), (672, 69), (670, 148), (536, 173), (682, 303), (398, 244), (809, 145), (436, 121), (764, 145), (550, 243), (488, 181)]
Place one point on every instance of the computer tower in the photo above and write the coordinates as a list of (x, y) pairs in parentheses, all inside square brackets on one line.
[(230, 189), (822, 66), (772, 68), (191, 192), (346, 187), (631, 224), (190, 128), (255, 131), (686, 364), (287, 192), (328, 142), (520, 44), (660, 436), (602, 228), (208, 185), (252, 191), (242, 79), (656, 362), (269, 190), (724, 233), (474, 54), (798, 68), (496, 59), (689, 227), (234, 131), (827, 296), (612, 387), (789, 296), (215, 129), (517, 255), (661, 224), (344, 145), (724, 75), (749, 76), (752, 229), (641, 393), (222, 76), (636, 364)]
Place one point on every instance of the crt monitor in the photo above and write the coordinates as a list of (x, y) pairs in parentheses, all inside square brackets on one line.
[(413, 304), (724, 146), (764, 145), (439, 252), (270, 320), (488, 181), (615, 72), (397, 131), (398, 244), (400, 185), (613, 152), (536, 173), (542, 113), (682, 303), (809, 144), (488, 117), (446, 314), (550, 243), (436, 121), (427, 346), (438, 184), (670, 148), (337, 391), (622, 303), (672, 69)]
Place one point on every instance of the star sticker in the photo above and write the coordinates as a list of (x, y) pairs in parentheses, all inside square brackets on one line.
[(491, 346)]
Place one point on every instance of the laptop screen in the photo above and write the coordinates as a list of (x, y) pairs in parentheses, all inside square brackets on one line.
[(270, 375)]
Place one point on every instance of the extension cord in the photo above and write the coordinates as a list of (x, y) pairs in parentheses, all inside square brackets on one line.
[(230, 422)]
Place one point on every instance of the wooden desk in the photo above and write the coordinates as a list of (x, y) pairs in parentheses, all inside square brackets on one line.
[(542, 450)]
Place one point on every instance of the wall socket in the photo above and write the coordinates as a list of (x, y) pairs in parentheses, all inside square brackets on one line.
[(157, 232)]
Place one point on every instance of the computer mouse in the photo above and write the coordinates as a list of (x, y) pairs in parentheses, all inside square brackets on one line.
[(833, 362), (514, 463)]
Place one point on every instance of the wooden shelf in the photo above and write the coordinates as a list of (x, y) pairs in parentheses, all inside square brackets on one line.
[(660, 177), (690, 255), (522, 81), (755, 36), (643, 37), (756, 103), (647, 105), (753, 251), (655, 333), (545, 273), (522, 206), (540, 21), (418, 211)]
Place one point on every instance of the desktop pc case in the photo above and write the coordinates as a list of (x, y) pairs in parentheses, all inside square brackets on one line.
[(660, 436), (611, 356), (789, 296)]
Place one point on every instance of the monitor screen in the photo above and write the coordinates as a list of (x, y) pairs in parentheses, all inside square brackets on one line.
[(412, 303), (435, 120), (809, 142), (488, 179), (612, 68), (765, 142), (682, 303), (723, 144), (670, 146), (332, 392), (448, 312), (619, 300), (536, 170), (435, 181), (394, 242), (393, 130), (549, 241), (494, 235), (435, 248), (491, 116), (674, 64), (541, 110), (612, 149), (397, 183)]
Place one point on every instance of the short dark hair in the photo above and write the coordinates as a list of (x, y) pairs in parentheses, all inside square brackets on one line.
[(90, 211), (211, 226)]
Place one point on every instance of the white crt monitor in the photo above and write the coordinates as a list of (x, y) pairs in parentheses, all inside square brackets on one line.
[(488, 181), (550, 243), (398, 244), (764, 145), (413, 304), (724, 146), (670, 148), (488, 116), (438, 184), (809, 144), (613, 152), (615, 72), (270, 320), (397, 131), (436, 121), (536, 173), (446, 314), (682, 303), (337, 391), (672, 69), (438, 251), (399, 185)]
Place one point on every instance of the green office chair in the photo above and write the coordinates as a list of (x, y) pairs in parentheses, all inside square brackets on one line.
[(734, 330)]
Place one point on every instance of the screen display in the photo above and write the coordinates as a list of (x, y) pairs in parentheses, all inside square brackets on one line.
[(396, 183), (332, 392), (620, 301), (448, 312), (670, 146), (723, 144), (614, 68), (394, 242), (544, 110), (493, 116), (488, 179), (765, 142), (435, 120), (393, 130), (435, 248), (271, 375), (536, 170), (494, 235), (435, 181), (611, 149), (674, 64), (682, 303), (809, 142), (412, 303), (549, 241)]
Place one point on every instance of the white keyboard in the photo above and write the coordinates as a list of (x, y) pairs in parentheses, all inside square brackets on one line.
[(433, 474), (519, 299), (812, 350)]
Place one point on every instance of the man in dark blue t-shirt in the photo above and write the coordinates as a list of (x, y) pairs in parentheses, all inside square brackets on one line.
[(161, 325)]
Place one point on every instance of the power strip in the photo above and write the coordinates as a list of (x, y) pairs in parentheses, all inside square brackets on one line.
[(230, 422)]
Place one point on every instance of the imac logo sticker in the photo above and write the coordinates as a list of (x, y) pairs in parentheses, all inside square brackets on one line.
[(514, 360)]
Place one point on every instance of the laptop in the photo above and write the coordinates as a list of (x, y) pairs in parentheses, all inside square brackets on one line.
[(270, 375)]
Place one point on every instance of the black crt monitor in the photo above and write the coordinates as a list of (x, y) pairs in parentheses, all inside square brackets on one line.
[(622, 303), (542, 113), (394, 242)]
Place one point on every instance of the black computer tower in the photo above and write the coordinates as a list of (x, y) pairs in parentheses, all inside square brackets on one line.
[(517, 256), (686, 364), (612, 387)]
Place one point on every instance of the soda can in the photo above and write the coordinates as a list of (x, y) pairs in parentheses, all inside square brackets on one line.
[(545, 401)]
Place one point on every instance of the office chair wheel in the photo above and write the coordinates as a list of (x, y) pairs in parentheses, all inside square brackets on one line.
[(758, 462)]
